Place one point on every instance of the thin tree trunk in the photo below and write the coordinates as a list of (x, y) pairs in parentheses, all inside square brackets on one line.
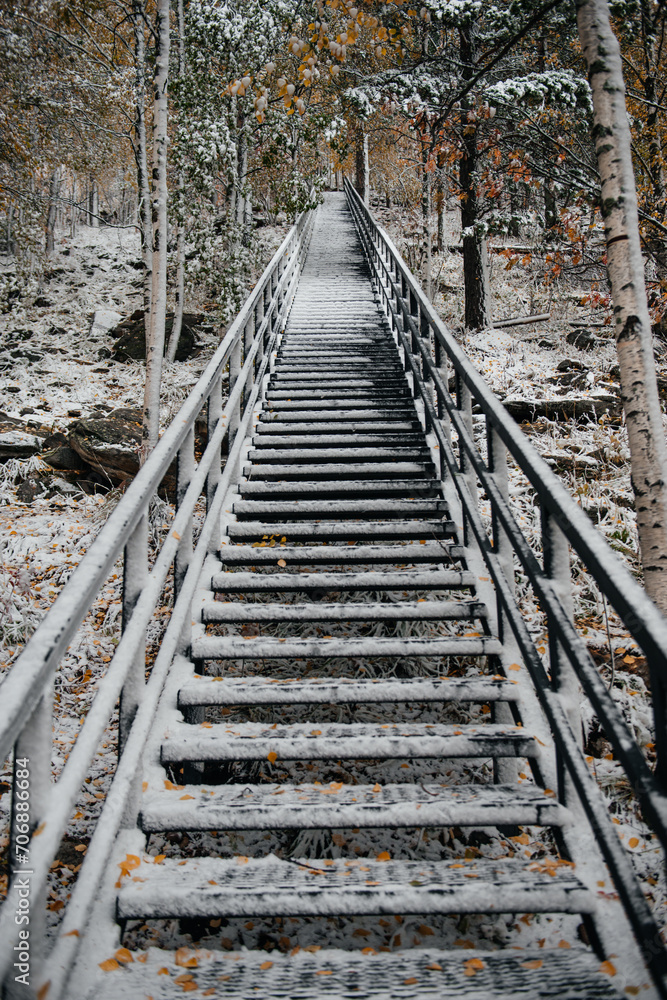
[(52, 214), (179, 299), (155, 345), (141, 154), (440, 208), (362, 169), (475, 265), (625, 267), (93, 205), (426, 222)]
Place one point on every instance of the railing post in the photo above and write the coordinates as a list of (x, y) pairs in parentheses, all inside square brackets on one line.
[(31, 790), (185, 467), (213, 416), (556, 562), (234, 372), (464, 405), (135, 576)]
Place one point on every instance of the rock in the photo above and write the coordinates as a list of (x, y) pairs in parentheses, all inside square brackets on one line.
[(56, 451), (15, 439), (570, 364), (23, 354), (27, 490), (592, 407), (42, 302), (103, 321), (131, 338), (109, 445), (583, 339)]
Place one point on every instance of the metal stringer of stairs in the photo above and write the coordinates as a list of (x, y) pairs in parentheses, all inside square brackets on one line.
[(345, 722)]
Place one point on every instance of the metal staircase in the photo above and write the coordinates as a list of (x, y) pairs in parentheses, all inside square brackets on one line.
[(356, 703)]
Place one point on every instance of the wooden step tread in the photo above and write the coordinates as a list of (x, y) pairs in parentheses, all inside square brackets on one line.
[(229, 647), (339, 975), (375, 580), (354, 530), (278, 426), (339, 453), (270, 887), (319, 508), (343, 691), (322, 415), (336, 806), (338, 741), (350, 469), (343, 439), (217, 611), (306, 555), (403, 488)]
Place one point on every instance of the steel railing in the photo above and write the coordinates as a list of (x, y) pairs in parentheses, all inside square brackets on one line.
[(431, 354), (26, 695)]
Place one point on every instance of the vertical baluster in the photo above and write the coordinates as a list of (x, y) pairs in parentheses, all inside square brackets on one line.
[(248, 338), (32, 786), (425, 331), (556, 561), (442, 363), (464, 404), (213, 415), (135, 576), (505, 768), (234, 413), (185, 468)]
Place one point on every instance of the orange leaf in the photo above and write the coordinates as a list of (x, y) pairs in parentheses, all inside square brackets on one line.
[(71, 934), (185, 959), (185, 977), (131, 862), (282, 563), (435, 966), (411, 980), (324, 972), (608, 968), (423, 929), (535, 963), (109, 965), (171, 787), (384, 856), (472, 966), (266, 965), (43, 990), (159, 858), (633, 842), (272, 757), (184, 797), (164, 971), (123, 955)]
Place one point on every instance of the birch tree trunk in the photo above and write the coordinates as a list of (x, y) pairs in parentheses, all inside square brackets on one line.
[(179, 302), (362, 168), (155, 343), (141, 155), (426, 222), (625, 267), (52, 214)]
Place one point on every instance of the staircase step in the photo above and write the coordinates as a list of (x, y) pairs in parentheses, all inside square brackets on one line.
[(337, 741), (218, 647), (342, 439), (348, 470), (330, 973), (376, 581), (279, 426), (275, 394), (340, 453), (319, 555), (343, 691), (398, 487), (340, 508), (341, 530), (336, 806), (270, 887), (216, 611)]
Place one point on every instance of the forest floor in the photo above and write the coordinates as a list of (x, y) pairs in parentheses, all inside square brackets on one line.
[(50, 365)]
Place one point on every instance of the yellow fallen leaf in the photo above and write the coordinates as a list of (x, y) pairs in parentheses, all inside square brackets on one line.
[(608, 968), (472, 966), (109, 965), (535, 963), (410, 981), (124, 955), (186, 959), (272, 757), (183, 797), (384, 856), (266, 965)]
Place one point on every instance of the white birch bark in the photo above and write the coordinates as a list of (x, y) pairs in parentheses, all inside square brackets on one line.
[(625, 267), (141, 153), (179, 302), (155, 341)]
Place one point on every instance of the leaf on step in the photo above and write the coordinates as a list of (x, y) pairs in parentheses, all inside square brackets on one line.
[(184, 797), (186, 959), (164, 971), (324, 972), (131, 862), (534, 963), (410, 981), (434, 966), (472, 966), (124, 955), (424, 930), (608, 968), (282, 563), (109, 965), (384, 856), (171, 787), (272, 757)]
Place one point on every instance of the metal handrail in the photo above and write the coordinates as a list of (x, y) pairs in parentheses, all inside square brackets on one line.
[(27, 690), (428, 348)]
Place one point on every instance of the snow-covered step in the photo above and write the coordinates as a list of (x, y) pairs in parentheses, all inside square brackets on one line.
[(332, 974), (338, 806), (216, 611), (269, 887), (340, 508), (339, 384), (342, 404), (349, 469), (351, 452), (343, 690), (337, 741), (278, 426), (342, 439), (344, 487), (218, 647), (341, 530), (373, 580), (304, 555)]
